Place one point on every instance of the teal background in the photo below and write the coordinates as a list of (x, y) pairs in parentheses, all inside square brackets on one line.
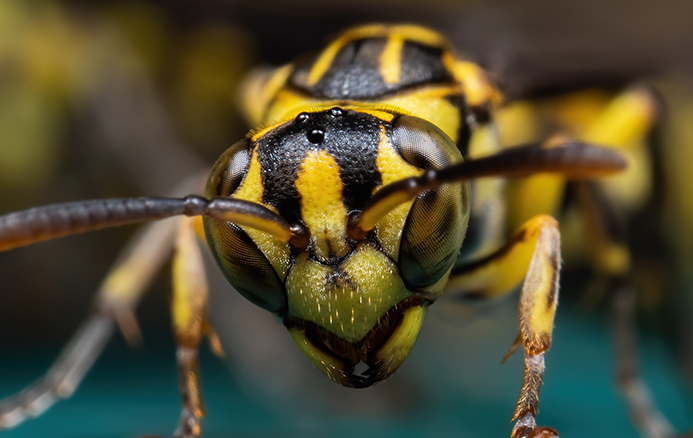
[(134, 392)]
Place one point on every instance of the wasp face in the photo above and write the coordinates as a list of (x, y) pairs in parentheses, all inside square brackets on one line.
[(343, 301)]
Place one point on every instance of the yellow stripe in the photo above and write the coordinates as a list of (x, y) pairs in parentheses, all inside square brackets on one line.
[(477, 87), (380, 114), (420, 35), (391, 59), (320, 187), (251, 187), (392, 168), (325, 60), (405, 32), (260, 224)]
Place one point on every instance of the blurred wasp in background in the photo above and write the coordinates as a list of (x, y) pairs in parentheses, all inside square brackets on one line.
[(308, 216)]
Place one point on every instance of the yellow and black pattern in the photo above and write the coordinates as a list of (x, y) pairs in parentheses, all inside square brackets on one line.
[(377, 106), (371, 63), (315, 169), (406, 67)]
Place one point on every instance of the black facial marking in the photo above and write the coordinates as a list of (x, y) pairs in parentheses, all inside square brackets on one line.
[(352, 138)]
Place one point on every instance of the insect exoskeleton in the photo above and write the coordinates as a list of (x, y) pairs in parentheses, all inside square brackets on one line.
[(344, 300)]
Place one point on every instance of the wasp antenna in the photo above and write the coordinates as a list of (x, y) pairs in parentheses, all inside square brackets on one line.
[(257, 216), (389, 197), (25, 227), (39, 224), (572, 159)]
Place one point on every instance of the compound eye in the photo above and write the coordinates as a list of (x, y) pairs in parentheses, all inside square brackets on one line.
[(244, 265), (229, 170), (440, 215), (238, 255), (422, 144)]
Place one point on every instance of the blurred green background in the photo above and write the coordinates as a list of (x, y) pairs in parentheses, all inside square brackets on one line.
[(126, 98)]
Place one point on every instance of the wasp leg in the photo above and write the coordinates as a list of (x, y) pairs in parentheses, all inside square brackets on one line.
[(533, 253), (624, 124), (189, 309), (647, 418), (610, 255), (116, 299)]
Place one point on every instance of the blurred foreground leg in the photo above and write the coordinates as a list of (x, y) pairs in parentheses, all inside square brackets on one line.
[(190, 323), (115, 302)]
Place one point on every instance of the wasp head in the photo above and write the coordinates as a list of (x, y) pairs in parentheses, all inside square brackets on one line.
[(354, 307)]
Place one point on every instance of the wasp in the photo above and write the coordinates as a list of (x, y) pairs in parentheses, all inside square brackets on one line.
[(375, 183)]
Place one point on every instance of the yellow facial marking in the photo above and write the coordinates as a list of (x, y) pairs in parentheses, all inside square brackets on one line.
[(251, 187), (393, 168), (320, 188), (391, 59), (391, 165), (276, 251)]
